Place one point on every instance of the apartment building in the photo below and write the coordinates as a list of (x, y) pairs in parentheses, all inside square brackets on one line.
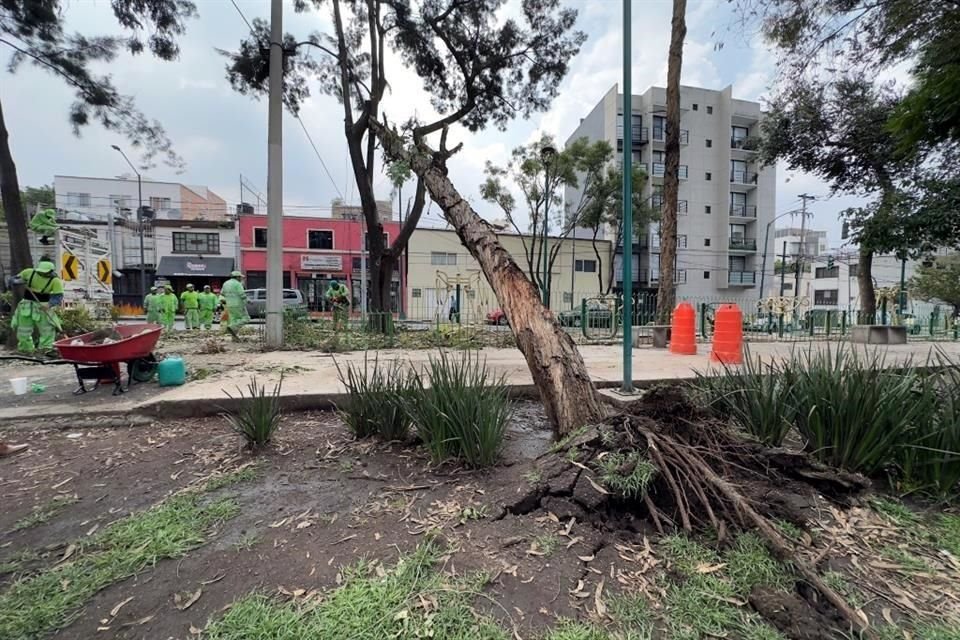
[(726, 198), (788, 240), (93, 198)]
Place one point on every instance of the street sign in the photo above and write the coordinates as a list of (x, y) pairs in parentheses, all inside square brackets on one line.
[(104, 271), (71, 266)]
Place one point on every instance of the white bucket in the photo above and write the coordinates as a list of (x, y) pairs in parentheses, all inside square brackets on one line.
[(19, 385)]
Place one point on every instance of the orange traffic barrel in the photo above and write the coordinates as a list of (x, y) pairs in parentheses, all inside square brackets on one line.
[(728, 335), (683, 330)]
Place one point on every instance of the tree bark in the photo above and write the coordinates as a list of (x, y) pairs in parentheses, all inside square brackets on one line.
[(557, 369), (596, 252), (666, 294), (12, 205), (868, 299)]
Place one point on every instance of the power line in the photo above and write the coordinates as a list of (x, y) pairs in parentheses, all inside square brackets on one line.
[(324, 164), (249, 26)]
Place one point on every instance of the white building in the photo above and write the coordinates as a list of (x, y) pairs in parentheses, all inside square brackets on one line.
[(726, 198), (94, 197)]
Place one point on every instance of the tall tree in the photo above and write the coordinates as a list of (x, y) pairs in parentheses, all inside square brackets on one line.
[(939, 282), (34, 31), (837, 131), (666, 294), (350, 65), (481, 68), (33, 197)]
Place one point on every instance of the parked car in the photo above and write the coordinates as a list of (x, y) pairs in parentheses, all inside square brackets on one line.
[(497, 316), (257, 302), (598, 315)]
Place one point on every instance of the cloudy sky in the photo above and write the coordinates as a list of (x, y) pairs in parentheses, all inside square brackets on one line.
[(222, 135)]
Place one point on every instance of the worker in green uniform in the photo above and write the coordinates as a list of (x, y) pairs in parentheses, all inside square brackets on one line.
[(208, 303), (235, 299), (339, 298), (190, 300), (41, 283), (168, 307), (151, 304), (45, 224)]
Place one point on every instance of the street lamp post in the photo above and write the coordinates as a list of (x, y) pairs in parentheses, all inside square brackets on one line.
[(766, 242), (143, 269), (547, 156)]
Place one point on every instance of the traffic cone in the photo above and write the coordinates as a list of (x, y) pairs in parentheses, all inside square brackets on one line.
[(728, 335), (683, 330)]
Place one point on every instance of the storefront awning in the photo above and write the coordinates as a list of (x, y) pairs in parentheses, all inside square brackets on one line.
[(184, 267)]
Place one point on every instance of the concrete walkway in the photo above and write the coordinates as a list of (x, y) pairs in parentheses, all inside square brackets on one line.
[(310, 378)]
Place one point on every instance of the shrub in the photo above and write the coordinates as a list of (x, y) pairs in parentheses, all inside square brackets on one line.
[(76, 320), (258, 415), (929, 455), (758, 398), (463, 413), (853, 412), (376, 399)]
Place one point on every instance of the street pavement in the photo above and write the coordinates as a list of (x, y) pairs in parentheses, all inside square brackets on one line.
[(310, 378)]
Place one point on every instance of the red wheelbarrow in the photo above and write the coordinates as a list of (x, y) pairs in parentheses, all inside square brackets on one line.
[(101, 362)]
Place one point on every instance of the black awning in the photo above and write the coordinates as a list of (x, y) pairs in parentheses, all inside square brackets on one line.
[(184, 267)]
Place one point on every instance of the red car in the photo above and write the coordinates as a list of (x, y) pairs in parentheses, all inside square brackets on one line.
[(497, 316)]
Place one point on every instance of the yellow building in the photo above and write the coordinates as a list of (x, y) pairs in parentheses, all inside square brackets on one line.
[(438, 262)]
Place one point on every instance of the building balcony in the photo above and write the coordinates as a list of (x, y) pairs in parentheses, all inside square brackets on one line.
[(679, 276), (660, 135), (638, 135), (742, 278), (747, 178), (743, 211), (660, 169), (738, 243), (749, 143), (658, 202)]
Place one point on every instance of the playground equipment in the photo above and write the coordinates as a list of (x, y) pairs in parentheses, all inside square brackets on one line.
[(461, 297)]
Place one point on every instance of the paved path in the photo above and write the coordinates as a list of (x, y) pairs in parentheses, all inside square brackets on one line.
[(310, 378)]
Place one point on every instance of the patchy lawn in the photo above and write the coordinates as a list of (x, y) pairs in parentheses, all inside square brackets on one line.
[(171, 530)]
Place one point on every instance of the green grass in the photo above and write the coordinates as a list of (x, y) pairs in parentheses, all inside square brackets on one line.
[(229, 479), (258, 414), (571, 630), (38, 604), (946, 533), (560, 444), (627, 475), (896, 512), (42, 513), (17, 561), (905, 559), (533, 477), (247, 541), (700, 602), (546, 543), (368, 607)]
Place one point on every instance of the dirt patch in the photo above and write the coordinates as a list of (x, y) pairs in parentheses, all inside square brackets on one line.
[(794, 616)]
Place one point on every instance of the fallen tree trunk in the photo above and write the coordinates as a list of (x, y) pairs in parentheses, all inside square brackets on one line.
[(557, 369)]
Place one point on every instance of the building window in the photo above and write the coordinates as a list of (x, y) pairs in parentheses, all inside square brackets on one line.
[(826, 272), (439, 258), (788, 286), (707, 208), (78, 199), (121, 202), (585, 266), (853, 270), (357, 264), (320, 239), (416, 293), (184, 242), (708, 176), (681, 242), (706, 275), (159, 203), (696, 107), (567, 297), (825, 296), (709, 143), (260, 237), (709, 110), (738, 136), (706, 242)]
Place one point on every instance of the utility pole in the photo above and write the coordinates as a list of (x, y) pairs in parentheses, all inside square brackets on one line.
[(627, 385), (274, 311), (143, 268), (803, 242), (783, 267)]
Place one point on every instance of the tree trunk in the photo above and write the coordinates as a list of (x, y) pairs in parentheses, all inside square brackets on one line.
[(868, 300), (12, 205), (666, 294), (557, 369), (596, 252)]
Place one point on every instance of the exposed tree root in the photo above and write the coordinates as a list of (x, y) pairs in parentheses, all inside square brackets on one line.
[(706, 477)]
